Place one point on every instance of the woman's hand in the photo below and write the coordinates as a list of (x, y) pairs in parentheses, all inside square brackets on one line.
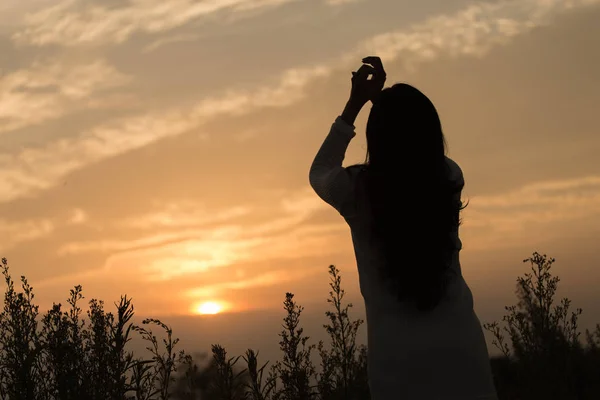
[(363, 88)]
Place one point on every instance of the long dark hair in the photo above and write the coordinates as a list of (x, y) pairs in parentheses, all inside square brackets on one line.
[(410, 195)]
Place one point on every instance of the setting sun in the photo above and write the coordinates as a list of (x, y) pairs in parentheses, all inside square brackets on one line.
[(209, 307)]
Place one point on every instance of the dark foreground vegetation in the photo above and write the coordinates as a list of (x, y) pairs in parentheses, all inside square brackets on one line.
[(67, 354)]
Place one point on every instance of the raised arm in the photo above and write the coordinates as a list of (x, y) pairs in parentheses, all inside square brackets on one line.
[(327, 177), (332, 182)]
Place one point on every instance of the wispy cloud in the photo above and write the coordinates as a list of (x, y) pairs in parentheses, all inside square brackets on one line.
[(190, 37), (156, 259), (189, 220), (189, 251), (73, 22), (78, 217), (13, 11), (41, 168), (49, 90), (340, 2), (160, 257), (523, 215), (185, 258), (16, 232), (149, 241), (182, 215), (472, 31), (267, 279), (531, 212)]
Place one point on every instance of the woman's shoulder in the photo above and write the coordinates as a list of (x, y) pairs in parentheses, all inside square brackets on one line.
[(453, 164), (456, 173)]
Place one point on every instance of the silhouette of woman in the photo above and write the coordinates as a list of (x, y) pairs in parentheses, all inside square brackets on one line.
[(402, 206)]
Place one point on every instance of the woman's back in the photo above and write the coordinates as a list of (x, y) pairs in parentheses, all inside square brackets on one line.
[(440, 354)]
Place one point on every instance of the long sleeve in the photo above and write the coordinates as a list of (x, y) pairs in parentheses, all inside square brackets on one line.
[(328, 178)]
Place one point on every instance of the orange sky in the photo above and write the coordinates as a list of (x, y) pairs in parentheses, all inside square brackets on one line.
[(162, 149)]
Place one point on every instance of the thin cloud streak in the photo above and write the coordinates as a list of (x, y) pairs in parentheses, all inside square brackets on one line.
[(293, 211), (338, 3), (470, 32), (189, 252), (73, 23), (530, 213), (149, 241), (58, 159), (17, 232), (14, 233), (170, 40), (516, 218), (577, 192), (473, 31), (51, 89), (271, 278), (507, 218), (167, 261), (218, 248), (181, 215), (186, 258)]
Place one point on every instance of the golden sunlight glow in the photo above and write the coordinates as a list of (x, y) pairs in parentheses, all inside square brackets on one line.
[(209, 307)]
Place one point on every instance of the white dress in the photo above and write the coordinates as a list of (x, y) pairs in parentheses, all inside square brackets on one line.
[(440, 355)]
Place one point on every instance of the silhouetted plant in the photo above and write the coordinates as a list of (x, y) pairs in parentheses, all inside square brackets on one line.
[(258, 388), (295, 370), (592, 366), (143, 379), (20, 345), (164, 363), (65, 358), (544, 340), (106, 338), (64, 352), (228, 384), (341, 363), (189, 383)]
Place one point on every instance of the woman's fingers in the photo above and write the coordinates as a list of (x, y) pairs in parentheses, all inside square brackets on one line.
[(363, 72), (376, 63)]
